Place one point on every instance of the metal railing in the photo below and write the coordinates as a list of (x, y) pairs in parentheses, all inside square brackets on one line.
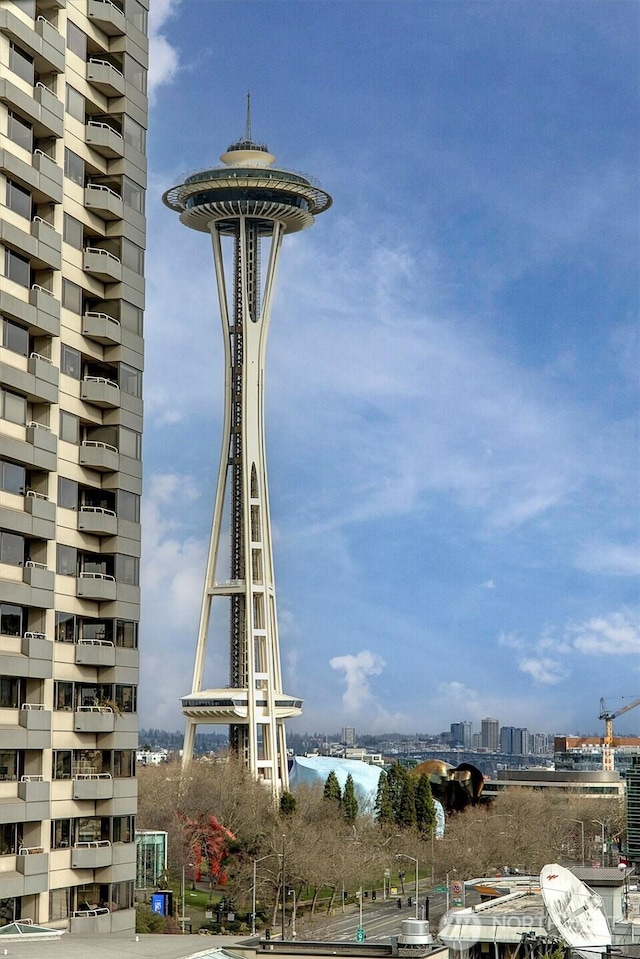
[(97, 444), (33, 706), (36, 286), (100, 252), (105, 63), (31, 779), (105, 576), (38, 426), (104, 126), (101, 379), (39, 356), (32, 635), (91, 776), (31, 565), (92, 844), (96, 642), (36, 495), (103, 316), (97, 509)]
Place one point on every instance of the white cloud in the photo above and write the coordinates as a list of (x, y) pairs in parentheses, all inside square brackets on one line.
[(613, 558), (511, 640), (488, 584), (163, 57), (544, 671), (615, 635), (357, 671)]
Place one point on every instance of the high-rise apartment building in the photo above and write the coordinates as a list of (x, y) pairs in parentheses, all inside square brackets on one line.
[(462, 733), (490, 734), (73, 116), (349, 737)]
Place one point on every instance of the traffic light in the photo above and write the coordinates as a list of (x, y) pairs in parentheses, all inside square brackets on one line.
[(399, 903), (410, 902), (426, 908)]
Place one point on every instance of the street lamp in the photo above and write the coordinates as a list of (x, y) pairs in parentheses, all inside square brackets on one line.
[(581, 824), (602, 823), (255, 863), (184, 917), (401, 855)]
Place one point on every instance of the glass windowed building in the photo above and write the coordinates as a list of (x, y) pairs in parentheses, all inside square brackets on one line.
[(73, 117)]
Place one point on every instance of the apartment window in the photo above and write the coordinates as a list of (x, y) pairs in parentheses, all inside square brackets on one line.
[(28, 7), (127, 569), (11, 548), (59, 903), (13, 478), (130, 443), (60, 833), (75, 104), (63, 695), (132, 256), (132, 194), (76, 40), (65, 628), (124, 763), (12, 619), (21, 63), (18, 199), (137, 14), (135, 73), (72, 231), (126, 634), (66, 560), (69, 427), (61, 764), (131, 318), (124, 828), (8, 838), (70, 361), (20, 131), (10, 765), (71, 296), (13, 407), (15, 337), (134, 134), (130, 380), (73, 166), (127, 698), (67, 493), (17, 268), (128, 506), (97, 630), (93, 829), (10, 692)]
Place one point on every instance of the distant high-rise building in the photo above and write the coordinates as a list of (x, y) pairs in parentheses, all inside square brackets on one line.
[(462, 733), (349, 736), (246, 206), (506, 740), (490, 734), (73, 117), (633, 812)]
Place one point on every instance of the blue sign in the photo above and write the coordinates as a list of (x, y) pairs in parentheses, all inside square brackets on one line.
[(158, 901)]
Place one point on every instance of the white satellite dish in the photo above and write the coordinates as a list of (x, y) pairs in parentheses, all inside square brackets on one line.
[(575, 910)]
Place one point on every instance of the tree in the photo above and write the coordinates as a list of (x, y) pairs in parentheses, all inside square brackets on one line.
[(397, 777), (425, 806), (384, 806), (349, 801), (406, 814), (287, 804), (332, 790)]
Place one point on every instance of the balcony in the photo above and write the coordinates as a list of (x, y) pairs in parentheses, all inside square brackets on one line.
[(100, 391), (97, 520), (38, 576), (47, 319), (106, 78), (52, 50), (94, 719), (99, 456), (102, 328), (104, 139), (51, 113), (45, 446), (95, 652), (33, 863), (92, 786), (93, 854), (105, 202), (91, 922), (41, 509), (102, 264), (98, 586), (34, 789), (49, 251), (108, 17)]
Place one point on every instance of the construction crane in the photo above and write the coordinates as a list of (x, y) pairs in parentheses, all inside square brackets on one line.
[(608, 716)]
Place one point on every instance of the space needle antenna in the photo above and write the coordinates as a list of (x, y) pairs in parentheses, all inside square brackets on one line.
[(247, 132)]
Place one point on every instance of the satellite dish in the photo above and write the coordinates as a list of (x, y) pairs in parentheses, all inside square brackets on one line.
[(576, 911)]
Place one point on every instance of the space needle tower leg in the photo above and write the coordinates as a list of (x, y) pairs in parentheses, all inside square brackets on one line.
[(244, 205)]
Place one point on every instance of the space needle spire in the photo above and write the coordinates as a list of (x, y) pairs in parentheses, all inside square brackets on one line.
[(250, 205)]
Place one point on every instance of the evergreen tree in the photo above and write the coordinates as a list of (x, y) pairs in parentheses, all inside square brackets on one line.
[(384, 807), (406, 816), (349, 801), (397, 777), (287, 804), (425, 806), (332, 790)]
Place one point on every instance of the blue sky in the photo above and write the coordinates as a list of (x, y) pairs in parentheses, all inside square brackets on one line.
[(452, 389)]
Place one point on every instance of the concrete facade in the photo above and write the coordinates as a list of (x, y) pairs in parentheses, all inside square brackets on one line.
[(73, 117)]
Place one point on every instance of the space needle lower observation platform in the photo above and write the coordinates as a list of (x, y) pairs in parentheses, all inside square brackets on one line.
[(246, 205)]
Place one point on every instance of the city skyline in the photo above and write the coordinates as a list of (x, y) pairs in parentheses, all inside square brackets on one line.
[(453, 356)]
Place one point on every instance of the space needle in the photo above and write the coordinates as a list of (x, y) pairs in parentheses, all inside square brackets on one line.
[(247, 205)]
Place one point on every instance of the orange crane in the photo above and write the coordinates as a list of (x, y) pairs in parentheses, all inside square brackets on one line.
[(608, 716)]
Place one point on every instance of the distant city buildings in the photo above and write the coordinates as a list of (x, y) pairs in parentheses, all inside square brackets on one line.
[(349, 736), (490, 734)]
